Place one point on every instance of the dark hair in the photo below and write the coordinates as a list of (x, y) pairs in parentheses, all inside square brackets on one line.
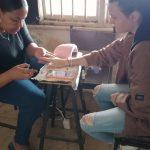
[(10, 5), (143, 7), (128, 6)]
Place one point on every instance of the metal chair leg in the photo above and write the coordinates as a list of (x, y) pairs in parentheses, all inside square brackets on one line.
[(43, 131), (42, 135), (54, 91), (7, 125), (76, 114), (63, 101), (116, 145), (82, 101)]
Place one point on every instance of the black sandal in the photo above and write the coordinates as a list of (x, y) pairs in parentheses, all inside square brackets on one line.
[(11, 146)]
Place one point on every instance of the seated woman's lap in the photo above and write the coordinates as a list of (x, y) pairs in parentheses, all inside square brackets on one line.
[(102, 94), (22, 93)]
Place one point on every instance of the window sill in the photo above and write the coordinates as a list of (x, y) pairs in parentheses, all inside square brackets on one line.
[(77, 24), (64, 28)]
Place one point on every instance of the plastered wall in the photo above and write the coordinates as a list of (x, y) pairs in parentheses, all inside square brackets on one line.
[(49, 37)]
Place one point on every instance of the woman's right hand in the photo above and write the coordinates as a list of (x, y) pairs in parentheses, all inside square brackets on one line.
[(21, 72), (58, 63), (55, 62)]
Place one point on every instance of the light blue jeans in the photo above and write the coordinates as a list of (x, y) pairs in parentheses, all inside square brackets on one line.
[(110, 120)]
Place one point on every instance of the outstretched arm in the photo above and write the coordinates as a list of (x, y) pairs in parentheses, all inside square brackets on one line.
[(106, 56)]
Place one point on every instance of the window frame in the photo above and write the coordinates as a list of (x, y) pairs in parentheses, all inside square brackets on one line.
[(101, 19)]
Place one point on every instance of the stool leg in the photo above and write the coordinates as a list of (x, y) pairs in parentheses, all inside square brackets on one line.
[(43, 131), (48, 90), (54, 91), (76, 114), (63, 101), (116, 145), (82, 100)]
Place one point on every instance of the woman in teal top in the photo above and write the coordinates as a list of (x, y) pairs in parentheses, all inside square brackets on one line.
[(15, 86)]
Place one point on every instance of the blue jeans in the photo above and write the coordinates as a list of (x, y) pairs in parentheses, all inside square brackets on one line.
[(110, 120), (31, 102)]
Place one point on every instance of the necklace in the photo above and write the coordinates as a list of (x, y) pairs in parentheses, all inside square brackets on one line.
[(4, 36)]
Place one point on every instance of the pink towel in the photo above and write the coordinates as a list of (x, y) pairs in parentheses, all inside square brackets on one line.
[(65, 50)]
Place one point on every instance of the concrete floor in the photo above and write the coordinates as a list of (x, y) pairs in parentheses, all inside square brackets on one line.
[(8, 114)]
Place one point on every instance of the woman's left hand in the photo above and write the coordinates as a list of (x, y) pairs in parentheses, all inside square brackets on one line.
[(118, 98)]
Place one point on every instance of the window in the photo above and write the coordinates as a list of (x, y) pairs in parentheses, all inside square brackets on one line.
[(75, 11)]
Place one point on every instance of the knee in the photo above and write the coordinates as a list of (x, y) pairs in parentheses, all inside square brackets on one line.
[(96, 90), (87, 122), (96, 93)]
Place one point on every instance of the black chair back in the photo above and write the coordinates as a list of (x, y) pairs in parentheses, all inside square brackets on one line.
[(90, 39)]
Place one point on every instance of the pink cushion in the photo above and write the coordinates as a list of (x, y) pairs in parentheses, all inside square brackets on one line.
[(65, 50)]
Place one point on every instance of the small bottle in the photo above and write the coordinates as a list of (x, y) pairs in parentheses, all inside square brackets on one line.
[(96, 69), (83, 73)]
